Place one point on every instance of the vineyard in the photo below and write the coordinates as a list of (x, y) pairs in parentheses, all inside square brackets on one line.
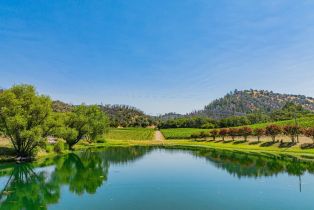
[(130, 134), (185, 133)]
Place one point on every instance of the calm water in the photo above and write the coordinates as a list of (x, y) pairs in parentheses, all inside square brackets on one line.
[(147, 178)]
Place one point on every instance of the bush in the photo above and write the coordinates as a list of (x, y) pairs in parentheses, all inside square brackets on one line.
[(43, 144), (58, 147)]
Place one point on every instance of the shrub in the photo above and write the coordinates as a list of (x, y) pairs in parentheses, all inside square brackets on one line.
[(58, 147), (273, 131)]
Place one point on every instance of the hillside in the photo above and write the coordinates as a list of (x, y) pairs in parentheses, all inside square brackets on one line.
[(119, 115), (126, 116), (239, 103)]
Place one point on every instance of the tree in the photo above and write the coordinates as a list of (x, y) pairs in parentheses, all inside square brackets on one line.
[(23, 115), (233, 132), (223, 133), (259, 132), (245, 132), (83, 122), (309, 132), (273, 131), (214, 133), (292, 131)]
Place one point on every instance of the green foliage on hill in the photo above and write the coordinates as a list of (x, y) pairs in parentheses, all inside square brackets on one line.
[(239, 103), (126, 116)]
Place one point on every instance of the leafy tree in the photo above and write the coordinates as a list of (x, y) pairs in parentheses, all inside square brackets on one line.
[(273, 131), (223, 133), (245, 132), (233, 132), (83, 122), (23, 116), (309, 132), (259, 132), (292, 131), (214, 133)]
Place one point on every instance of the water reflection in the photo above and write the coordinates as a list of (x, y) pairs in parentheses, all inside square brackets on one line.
[(82, 173), (37, 185)]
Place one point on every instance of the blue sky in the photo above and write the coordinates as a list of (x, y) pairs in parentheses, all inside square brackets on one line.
[(157, 55)]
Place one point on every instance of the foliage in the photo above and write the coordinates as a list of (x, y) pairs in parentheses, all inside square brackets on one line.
[(233, 132), (188, 122), (292, 130), (126, 116), (83, 122), (259, 132), (250, 101), (59, 146), (23, 117), (273, 131), (309, 132), (223, 133), (245, 132)]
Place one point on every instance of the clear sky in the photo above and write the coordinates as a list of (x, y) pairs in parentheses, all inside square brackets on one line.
[(157, 55)]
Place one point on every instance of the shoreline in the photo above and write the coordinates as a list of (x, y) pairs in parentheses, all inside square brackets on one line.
[(295, 151)]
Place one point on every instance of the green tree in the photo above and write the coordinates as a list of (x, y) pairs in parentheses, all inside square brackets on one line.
[(83, 122), (23, 116)]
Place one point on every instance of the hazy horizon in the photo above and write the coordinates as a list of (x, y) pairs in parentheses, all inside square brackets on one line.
[(158, 56)]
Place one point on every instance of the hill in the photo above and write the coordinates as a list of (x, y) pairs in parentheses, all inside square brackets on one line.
[(238, 103), (126, 116)]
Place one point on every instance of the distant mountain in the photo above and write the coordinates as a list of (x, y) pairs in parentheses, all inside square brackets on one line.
[(239, 103)]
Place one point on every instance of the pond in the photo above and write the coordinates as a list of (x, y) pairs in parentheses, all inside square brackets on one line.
[(157, 178)]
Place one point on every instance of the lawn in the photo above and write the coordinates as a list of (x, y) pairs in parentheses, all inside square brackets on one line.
[(130, 134)]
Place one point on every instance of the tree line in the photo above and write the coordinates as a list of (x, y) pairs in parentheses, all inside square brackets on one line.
[(27, 119), (272, 130), (289, 111)]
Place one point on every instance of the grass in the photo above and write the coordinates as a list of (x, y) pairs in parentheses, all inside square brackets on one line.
[(124, 137), (302, 122), (180, 133), (130, 134), (185, 133)]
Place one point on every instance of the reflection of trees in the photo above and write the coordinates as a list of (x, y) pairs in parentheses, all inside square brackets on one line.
[(27, 188), (243, 164)]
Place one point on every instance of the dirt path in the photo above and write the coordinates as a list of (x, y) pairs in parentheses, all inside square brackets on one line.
[(159, 136)]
